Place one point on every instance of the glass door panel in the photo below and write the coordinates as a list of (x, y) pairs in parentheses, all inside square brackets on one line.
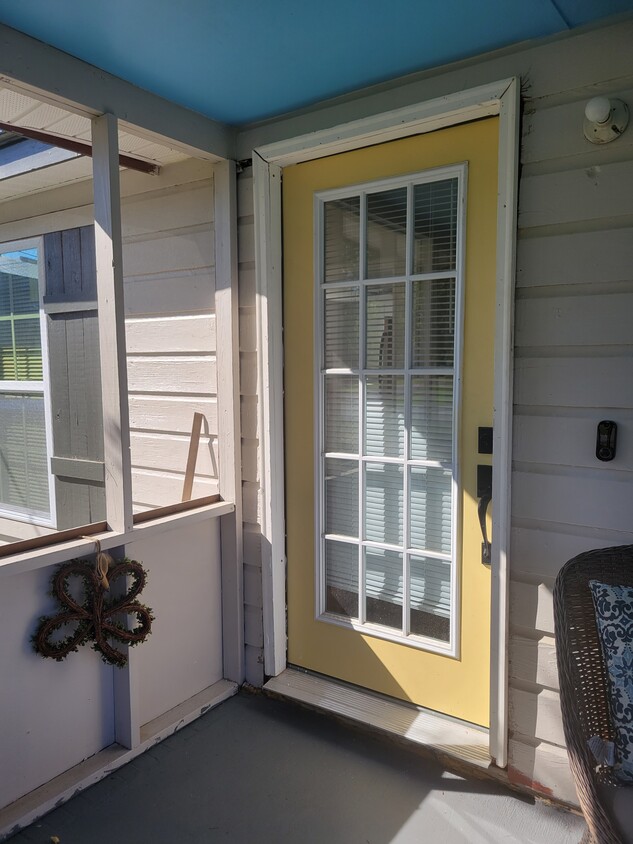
[(387, 402)]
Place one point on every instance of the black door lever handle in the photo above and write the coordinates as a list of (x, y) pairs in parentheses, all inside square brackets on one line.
[(486, 548), (484, 494)]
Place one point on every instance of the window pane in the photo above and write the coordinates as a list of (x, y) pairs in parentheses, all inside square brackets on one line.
[(20, 343), (386, 233), (5, 291), (435, 235), (385, 326), (7, 352), (342, 237), (430, 597), (431, 510), (384, 415), (28, 349), (383, 585), (19, 285), (23, 464), (341, 497), (432, 417), (25, 295), (341, 413), (341, 576), (383, 502), (341, 329), (433, 322)]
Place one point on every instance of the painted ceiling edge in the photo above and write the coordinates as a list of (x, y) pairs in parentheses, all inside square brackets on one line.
[(68, 82), (195, 60), (90, 91), (262, 132)]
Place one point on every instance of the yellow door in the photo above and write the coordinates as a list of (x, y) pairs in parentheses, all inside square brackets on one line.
[(389, 279)]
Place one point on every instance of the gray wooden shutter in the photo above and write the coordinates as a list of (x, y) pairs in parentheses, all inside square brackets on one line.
[(70, 304)]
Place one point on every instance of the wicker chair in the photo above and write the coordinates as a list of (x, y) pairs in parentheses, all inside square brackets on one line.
[(584, 691)]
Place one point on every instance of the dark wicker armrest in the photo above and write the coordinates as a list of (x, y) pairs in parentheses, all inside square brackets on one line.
[(583, 677)]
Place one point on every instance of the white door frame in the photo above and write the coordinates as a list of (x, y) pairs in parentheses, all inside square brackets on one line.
[(500, 98)]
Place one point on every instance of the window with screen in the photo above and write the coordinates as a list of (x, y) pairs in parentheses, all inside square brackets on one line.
[(24, 474)]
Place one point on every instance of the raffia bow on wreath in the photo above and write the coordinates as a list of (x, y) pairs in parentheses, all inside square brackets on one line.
[(96, 616)]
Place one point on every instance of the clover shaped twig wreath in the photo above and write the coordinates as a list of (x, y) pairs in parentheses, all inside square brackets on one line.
[(96, 617)]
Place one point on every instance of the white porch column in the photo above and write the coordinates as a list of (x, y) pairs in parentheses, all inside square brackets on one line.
[(109, 259), (114, 390), (229, 431), (268, 271)]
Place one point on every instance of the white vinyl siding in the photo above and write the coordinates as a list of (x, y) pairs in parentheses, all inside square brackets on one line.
[(388, 271), (572, 368), (168, 263)]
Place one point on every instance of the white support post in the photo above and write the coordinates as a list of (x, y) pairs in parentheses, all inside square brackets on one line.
[(108, 250), (229, 431), (270, 423), (114, 392), (127, 729), (507, 204)]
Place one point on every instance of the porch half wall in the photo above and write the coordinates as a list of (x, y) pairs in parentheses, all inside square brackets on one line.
[(169, 264), (574, 300)]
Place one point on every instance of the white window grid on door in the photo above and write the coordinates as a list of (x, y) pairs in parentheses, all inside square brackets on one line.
[(362, 284)]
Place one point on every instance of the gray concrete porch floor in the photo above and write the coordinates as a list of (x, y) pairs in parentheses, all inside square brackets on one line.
[(261, 770)]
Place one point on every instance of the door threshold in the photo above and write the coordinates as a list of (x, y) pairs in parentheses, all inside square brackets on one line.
[(441, 734)]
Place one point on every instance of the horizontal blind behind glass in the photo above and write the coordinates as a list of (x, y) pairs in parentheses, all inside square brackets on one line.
[(28, 349), (384, 499), (433, 330), (386, 233), (432, 418), (342, 239), (384, 327), (384, 587), (23, 461), (430, 585), (341, 328), (341, 414), (431, 509), (341, 578), (23, 455), (341, 497), (384, 415), (435, 226)]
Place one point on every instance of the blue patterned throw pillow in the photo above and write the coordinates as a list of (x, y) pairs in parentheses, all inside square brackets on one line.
[(614, 614)]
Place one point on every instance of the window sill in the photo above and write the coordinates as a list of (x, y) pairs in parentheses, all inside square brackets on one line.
[(22, 517)]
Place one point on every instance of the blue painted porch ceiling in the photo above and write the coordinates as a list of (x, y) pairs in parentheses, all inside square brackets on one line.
[(240, 61)]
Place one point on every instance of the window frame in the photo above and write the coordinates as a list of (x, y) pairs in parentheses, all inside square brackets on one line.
[(425, 643), (36, 387)]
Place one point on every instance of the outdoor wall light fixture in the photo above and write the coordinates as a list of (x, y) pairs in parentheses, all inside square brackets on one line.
[(605, 120)]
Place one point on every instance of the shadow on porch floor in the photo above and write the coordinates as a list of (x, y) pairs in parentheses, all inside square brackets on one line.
[(262, 770)]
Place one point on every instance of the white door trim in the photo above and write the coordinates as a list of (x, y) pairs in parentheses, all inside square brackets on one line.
[(499, 98)]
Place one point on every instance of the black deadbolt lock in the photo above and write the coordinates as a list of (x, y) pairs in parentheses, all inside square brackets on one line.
[(484, 440), (605, 441)]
